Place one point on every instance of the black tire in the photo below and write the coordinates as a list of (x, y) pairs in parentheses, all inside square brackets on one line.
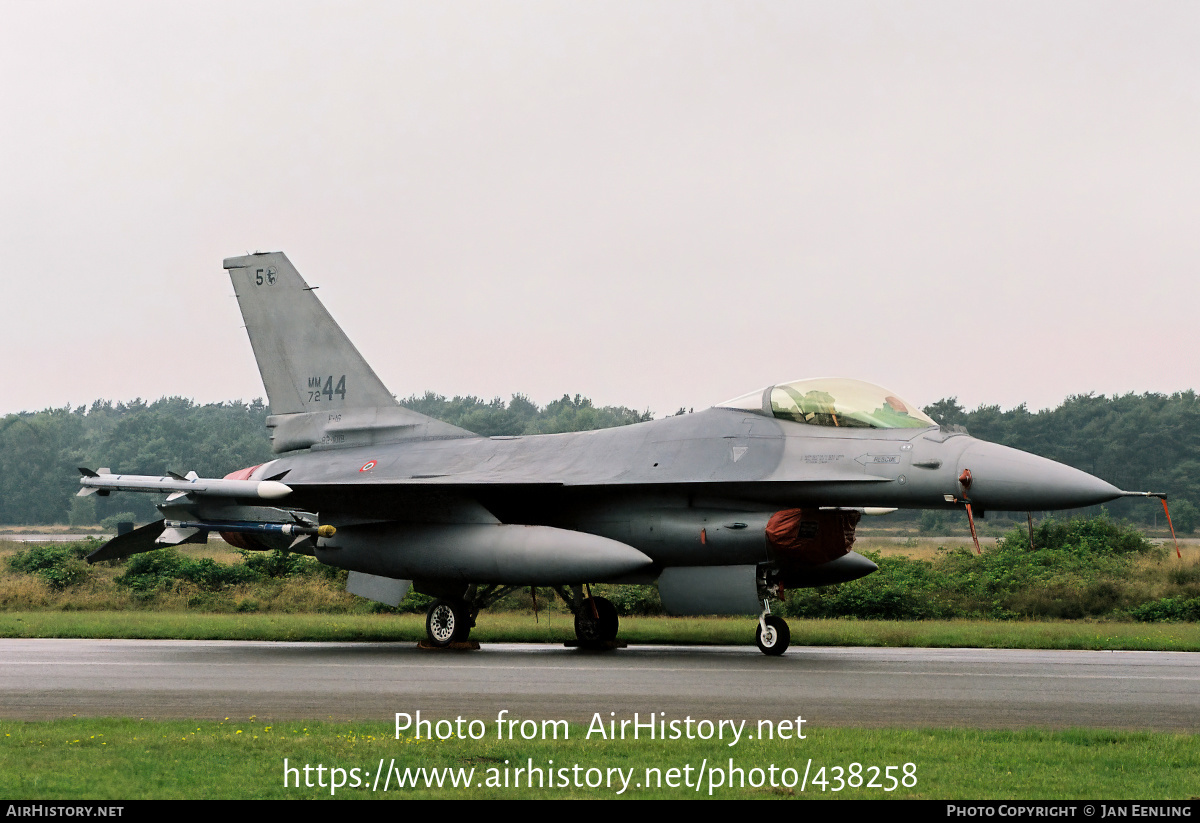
[(778, 636), (447, 622), (591, 630)]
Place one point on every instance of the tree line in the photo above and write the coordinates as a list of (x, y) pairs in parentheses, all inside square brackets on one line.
[(1140, 442)]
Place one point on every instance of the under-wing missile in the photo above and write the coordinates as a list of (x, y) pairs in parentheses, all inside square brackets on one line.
[(104, 482), (186, 531), (246, 527)]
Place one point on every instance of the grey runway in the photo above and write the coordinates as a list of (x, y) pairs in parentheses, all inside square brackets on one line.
[(983, 688)]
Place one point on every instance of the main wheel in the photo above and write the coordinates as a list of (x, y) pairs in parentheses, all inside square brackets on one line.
[(597, 630), (447, 622), (776, 638)]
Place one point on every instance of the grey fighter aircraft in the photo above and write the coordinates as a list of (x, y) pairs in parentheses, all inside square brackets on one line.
[(725, 508)]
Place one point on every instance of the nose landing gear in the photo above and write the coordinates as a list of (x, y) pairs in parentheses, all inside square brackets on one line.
[(773, 636)]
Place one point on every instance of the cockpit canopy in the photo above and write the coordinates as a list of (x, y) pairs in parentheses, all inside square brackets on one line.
[(833, 401)]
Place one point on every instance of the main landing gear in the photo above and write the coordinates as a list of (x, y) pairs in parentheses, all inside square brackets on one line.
[(597, 627), (773, 636), (596, 620), (450, 618), (448, 621)]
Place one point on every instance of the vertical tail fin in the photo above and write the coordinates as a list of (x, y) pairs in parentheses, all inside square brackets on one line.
[(306, 361)]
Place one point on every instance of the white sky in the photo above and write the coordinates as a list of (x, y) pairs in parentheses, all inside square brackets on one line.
[(656, 204)]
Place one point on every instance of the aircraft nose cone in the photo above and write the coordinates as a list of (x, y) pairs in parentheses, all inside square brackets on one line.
[(1012, 480)]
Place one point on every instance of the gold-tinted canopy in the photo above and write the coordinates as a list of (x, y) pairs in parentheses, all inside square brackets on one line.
[(834, 401)]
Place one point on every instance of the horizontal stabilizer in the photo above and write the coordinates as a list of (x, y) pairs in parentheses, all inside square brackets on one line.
[(137, 541)]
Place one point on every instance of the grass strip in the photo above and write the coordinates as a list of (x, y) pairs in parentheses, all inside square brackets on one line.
[(518, 628), (126, 759)]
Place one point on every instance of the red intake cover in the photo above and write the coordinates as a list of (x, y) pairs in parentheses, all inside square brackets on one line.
[(802, 538), (242, 474)]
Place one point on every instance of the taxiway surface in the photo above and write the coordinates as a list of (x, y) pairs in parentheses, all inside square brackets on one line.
[(830, 686)]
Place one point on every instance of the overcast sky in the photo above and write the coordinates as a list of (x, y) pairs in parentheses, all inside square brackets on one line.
[(656, 204)]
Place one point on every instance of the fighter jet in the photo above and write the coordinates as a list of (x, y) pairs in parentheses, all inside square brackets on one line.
[(726, 508)]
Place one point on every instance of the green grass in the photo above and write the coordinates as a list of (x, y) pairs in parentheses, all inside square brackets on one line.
[(512, 628), (244, 758)]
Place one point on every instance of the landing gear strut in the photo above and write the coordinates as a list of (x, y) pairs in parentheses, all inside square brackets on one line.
[(773, 636), (452, 616)]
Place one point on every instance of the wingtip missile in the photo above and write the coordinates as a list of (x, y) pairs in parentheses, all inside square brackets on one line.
[(273, 489), (176, 486)]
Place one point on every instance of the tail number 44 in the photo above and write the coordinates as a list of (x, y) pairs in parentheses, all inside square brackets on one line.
[(323, 386)]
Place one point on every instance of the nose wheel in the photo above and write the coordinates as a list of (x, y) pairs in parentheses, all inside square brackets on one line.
[(773, 635)]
